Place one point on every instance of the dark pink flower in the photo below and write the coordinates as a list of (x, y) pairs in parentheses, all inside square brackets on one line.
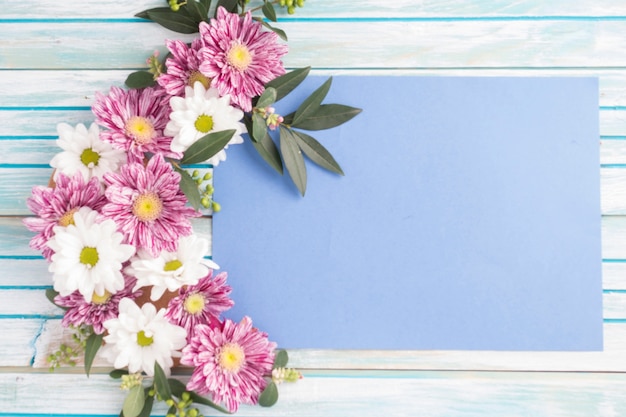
[(239, 56), (183, 68), (148, 206), (202, 303), (135, 119), (100, 309), (230, 362), (56, 207)]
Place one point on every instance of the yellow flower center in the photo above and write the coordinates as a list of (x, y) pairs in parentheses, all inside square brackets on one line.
[(198, 76), (143, 340), (100, 299), (231, 357), (194, 303), (147, 207), (89, 257), (67, 218), (89, 158), (239, 56), (140, 129), (172, 265), (204, 123)]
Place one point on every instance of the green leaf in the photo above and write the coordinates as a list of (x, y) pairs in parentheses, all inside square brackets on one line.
[(327, 116), (316, 152), (179, 21), (190, 188), (287, 82), (312, 102), (140, 79), (161, 383), (268, 11), (269, 396), (118, 373), (178, 388), (94, 342), (281, 33), (281, 359), (269, 152), (259, 128), (134, 402), (206, 4), (144, 14), (50, 294), (267, 98), (229, 5), (197, 11), (146, 411), (207, 146), (292, 156)]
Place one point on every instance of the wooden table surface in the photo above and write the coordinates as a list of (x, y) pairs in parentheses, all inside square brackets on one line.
[(54, 55)]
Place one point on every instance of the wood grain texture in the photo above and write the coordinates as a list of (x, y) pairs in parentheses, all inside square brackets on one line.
[(54, 56)]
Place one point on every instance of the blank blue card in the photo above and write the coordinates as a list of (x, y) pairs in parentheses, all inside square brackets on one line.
[(468, 218)]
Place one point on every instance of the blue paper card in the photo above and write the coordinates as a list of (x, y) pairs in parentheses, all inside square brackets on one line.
[(468, 218)]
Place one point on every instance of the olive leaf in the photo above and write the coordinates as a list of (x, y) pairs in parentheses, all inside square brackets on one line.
[(161, 383), (267, 98), (140, 79), (326, 116), (293, 159), (118, 373), (134, 402), (94, 342), (259, 127), (268, 11), (287, 82), (269, 396), (180, 21), (316, 152), (312, 102), (281, 359), (269, 152), (281, 33), (190, 188), (207, 146)]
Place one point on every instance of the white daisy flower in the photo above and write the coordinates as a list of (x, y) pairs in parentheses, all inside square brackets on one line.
[(84, 152), (171, 270), (199, 113), (88, 256), (139, 337)]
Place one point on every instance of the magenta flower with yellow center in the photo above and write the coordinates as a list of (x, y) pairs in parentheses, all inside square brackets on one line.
[(135, 120), (230, 362), (56, 207), (183, 68), (148, 206), (239, 56)]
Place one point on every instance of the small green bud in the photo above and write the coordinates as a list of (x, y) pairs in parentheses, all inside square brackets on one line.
[(216, 207), (207, 176), (199, 181), (291, 10), (195, 174), (209, 189), (170, 402), (206, 203), (300, 3), (186, 396)]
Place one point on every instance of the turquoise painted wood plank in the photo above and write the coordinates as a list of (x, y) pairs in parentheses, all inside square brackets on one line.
[(19, 337), (353, 44), (46, 339), (326, 393), (47, 9)]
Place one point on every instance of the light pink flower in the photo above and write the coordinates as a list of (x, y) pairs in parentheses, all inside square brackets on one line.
[(80, 312), (239, 56), (202, 303), (183, 68), (135, 119), (148, 206), (56, 207), (229, 362)]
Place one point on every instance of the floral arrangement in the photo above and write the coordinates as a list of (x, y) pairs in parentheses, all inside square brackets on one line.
[(115, 221)]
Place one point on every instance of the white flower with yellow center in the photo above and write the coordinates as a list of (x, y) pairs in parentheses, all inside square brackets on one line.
[(84, 152), (199, 113), (88, 256), (139, 337), (171, 270)]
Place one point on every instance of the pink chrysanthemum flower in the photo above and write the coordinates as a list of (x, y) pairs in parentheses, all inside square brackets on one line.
[(202, 303), (148, 206), (239, 56), (56, 207), (230, 362), (135, 119), (101, 308), (183, 68)]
